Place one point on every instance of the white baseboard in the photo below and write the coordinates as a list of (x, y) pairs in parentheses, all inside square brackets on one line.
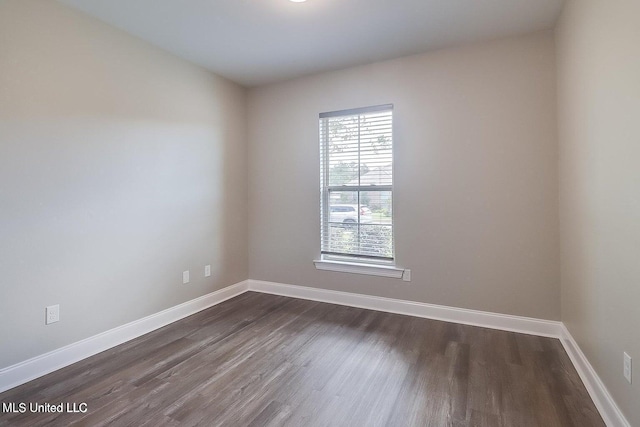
[(505, 322), (38, 366), (609, 411)]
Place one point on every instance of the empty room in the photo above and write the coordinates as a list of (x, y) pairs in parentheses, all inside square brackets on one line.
[(319, 213)]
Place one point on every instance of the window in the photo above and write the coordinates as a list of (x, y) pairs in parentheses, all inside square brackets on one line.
[(356, 148)]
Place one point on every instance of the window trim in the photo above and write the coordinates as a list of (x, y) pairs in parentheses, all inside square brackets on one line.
[(356, 111), (360, 268), (353, 263)]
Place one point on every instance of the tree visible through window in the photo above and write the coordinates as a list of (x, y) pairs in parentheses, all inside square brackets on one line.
[(357, 183)]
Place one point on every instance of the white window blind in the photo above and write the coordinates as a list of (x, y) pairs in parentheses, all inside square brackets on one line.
[(356, 148)]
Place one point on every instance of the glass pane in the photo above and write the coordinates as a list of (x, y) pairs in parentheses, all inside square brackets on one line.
[(375, 171), (343, 238), (343, 207), (343, 151), (376, 149), (375, 207), (376, 240)]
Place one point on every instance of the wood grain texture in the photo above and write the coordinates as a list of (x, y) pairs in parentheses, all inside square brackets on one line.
[(264, 360)]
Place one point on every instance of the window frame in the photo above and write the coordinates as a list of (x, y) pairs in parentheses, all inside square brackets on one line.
[(354, 263)]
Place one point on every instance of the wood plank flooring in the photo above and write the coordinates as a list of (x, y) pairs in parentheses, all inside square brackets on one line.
[(263, 360)]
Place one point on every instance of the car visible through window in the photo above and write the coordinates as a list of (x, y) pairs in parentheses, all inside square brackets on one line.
[(349, 214)]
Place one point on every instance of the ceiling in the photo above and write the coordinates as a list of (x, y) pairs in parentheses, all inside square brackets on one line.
[(255, 42)]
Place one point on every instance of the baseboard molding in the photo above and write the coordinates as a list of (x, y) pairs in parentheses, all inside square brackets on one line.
[(601, 397), (505, 322), (38, 366)]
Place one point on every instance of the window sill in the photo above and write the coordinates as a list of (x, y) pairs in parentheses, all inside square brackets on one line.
[(356, 268)]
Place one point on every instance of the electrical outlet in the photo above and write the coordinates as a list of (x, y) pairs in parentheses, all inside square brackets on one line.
[(207, 270), (185, 277), (406, 275), (626, 370), (52, 314)]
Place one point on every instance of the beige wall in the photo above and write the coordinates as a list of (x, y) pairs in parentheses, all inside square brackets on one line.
[(120, 167), (475, 178), (599, 107)]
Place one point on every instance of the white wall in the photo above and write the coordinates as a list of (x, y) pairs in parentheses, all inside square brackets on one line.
[(476, 202), (120, 167), (599, 118)]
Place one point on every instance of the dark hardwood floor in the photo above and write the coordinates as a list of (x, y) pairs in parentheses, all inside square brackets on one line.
[(259, 360)]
